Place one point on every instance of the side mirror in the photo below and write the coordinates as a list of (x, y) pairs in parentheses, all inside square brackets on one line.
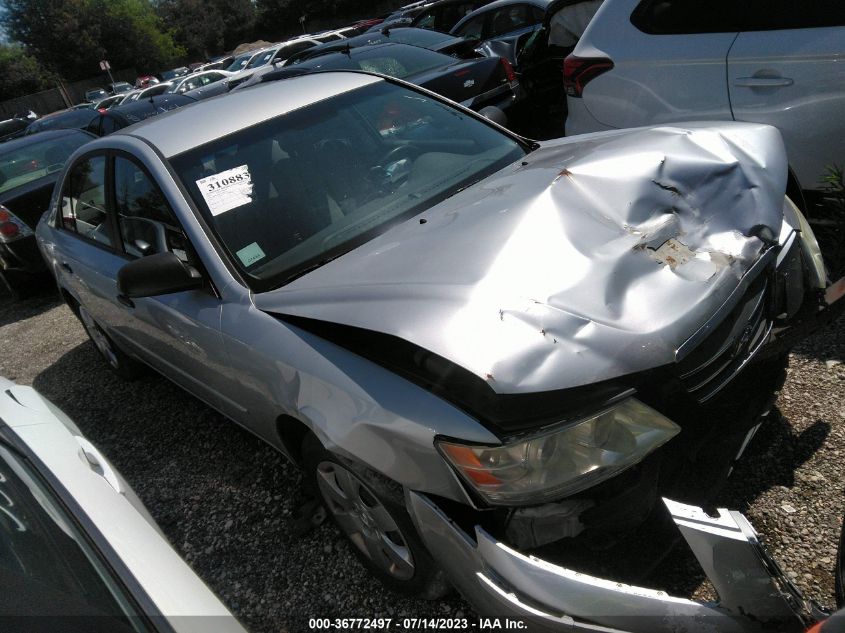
[(159, 274)]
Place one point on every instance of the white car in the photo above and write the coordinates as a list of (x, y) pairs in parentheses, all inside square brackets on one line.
[(780, 62), (198, 80), (76, 543)]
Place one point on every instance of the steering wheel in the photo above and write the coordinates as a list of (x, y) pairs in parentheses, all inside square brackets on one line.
[(396, 154), (381, 175)]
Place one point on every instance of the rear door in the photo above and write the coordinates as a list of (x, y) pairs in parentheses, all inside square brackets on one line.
[(669, 61), (788, 70), (87, 252)]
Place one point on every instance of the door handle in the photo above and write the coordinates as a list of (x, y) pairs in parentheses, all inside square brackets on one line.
[(763, 82), (123, 299), (66, 267), (96, 462)]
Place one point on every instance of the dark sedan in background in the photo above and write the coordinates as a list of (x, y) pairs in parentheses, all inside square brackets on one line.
[(122, 116), (432, 40), (29, 167), (443, 15), (73, 118), (479, 84)]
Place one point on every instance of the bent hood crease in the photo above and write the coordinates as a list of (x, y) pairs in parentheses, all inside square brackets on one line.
[(594, 257)]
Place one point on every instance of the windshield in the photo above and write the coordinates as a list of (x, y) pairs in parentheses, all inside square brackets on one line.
[(261, 59), (293, 192), (35, 160), (394, 60), (239, 62)]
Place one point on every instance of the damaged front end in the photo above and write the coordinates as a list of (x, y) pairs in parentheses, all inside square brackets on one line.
[(501, 582)]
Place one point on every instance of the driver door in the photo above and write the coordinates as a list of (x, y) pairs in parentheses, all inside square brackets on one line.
[(178, 334)]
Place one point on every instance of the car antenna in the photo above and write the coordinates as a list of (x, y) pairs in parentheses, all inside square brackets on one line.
[(348, 50), (385, 30)]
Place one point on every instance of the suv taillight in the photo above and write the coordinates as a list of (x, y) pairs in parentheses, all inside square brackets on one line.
[(579, 71), (11, 227)]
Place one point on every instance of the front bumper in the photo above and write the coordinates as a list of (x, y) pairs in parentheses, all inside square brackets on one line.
[(501, 582)]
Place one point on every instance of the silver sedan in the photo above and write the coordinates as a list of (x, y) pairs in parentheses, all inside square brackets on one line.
[(439, 320)]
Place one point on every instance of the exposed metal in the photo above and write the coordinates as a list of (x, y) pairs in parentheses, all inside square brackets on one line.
[(500, 581)]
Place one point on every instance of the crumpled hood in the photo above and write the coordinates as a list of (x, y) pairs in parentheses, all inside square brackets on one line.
[(594, 257)]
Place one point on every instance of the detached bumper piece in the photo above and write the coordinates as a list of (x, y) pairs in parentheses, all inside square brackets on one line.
[(503, 583)]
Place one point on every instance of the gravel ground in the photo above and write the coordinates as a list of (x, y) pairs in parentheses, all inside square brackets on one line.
[(230, 504)]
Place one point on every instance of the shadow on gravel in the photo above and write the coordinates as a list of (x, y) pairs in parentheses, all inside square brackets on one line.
[(227, 502), (12, 311), (771, 460)]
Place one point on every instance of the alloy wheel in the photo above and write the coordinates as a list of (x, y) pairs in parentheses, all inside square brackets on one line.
[(365, 520)]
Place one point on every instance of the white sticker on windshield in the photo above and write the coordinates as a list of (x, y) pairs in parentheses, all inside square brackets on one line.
[(227, 190), (250, 254)]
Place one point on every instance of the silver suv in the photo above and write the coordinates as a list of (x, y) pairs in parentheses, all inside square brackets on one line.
[(644, 62)]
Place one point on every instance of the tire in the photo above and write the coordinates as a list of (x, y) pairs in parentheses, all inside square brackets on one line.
[(121, 364), (369, 511)]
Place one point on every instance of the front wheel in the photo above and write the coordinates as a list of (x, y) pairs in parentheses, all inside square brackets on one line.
[(368, 509)]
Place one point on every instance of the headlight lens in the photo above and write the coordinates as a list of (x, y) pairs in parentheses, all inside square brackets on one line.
[(562, 461)]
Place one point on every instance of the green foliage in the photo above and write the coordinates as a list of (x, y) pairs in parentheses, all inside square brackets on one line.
[(132, 35), (21, 74), (205, 28), (833, 185), (70, 37)]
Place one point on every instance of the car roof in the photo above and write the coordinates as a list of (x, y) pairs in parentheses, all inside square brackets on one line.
[(77, 116), (183, 129), (367, 51), (23, 141), (542, 4), (141, 109)]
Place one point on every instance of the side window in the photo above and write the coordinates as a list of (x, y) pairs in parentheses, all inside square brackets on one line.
[(147, 225), (472, 29), (84, 201), (771, 15), (427, 20), (675, 17), (508, 19)]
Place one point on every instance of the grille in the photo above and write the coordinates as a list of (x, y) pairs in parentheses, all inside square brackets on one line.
[(712, 365)]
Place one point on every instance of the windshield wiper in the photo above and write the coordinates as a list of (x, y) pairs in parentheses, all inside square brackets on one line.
[(307, 269)]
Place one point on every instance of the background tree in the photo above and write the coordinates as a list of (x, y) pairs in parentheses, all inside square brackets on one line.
[(21, 74), (205, 28), (70, 37)]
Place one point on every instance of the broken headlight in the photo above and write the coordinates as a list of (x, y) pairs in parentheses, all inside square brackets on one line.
[(562, 461)]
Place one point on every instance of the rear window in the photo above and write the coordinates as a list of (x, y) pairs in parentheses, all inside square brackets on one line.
[(394, 61), (25, 164), (676, 17)]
